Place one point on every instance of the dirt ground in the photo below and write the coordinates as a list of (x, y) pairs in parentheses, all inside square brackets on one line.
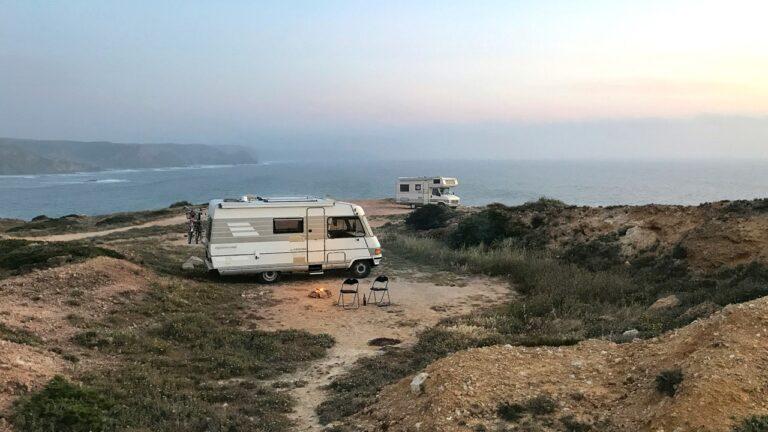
[(50, 304), (609, 387), (416, 305)]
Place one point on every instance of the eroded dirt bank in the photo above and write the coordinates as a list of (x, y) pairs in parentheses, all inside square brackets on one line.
[(608, 386)]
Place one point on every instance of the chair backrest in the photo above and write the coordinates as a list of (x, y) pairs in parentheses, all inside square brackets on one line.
[(382, 278), (350, 282)]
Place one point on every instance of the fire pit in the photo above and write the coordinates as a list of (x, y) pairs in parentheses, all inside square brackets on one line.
[(320, 293)]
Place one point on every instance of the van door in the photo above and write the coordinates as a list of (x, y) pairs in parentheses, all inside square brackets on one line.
[(315, 235)]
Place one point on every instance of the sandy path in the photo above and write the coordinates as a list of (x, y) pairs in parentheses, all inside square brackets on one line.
[(88, 234), (416, 306)]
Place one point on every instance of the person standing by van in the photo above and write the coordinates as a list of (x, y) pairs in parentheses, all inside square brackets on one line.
[(198, 225), (190, 224)]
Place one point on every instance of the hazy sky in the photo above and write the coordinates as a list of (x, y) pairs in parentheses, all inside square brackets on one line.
[(508, 78)]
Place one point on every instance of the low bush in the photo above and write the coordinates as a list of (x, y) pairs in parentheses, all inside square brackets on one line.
[(63, 407), (178, 204), (597, 255), (753, 424), (541, 405), (19, 336), (572, 425), (429, 217), (510, 412), (486, 227), (668, 381), (19, 256), (43, 223), (120, 218)]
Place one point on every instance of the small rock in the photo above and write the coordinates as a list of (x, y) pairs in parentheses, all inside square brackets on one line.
[(192, 262), (665, 303), (417, 384)]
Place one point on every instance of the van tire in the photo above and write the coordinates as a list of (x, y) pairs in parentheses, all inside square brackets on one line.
[(268, 277), (360, 269)]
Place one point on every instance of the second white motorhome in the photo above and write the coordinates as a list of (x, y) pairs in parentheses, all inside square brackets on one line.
[(418, 191), (267, 236)]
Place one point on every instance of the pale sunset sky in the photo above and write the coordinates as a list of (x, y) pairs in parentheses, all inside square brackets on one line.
[(513, 79)]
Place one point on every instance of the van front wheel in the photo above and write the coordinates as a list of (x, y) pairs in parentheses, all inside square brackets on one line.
[(268, 277), (360, 269)]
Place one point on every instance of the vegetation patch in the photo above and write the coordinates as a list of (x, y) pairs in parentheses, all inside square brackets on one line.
[(43, 225), (668, 381), (753, 424), (183, 341), (19, 336), (21, 256), (430, 216), (64, 406)]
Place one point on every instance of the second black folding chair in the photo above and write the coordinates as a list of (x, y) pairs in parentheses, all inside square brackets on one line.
[(379, 287), (349, 287)]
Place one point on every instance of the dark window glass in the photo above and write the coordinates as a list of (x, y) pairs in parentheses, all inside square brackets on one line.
[(345, 227), (436, 181), (418, 187), (405, 188), (287, 226)]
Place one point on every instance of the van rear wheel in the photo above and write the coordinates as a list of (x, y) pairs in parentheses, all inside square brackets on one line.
[(268, 277), (360, 269)]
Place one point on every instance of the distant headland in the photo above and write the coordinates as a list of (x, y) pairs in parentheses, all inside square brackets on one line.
[(26, 156)]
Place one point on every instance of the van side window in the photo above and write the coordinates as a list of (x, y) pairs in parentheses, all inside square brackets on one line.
[(418, 187), (345, 227), (288, 226), (436, 181), (405, 188)]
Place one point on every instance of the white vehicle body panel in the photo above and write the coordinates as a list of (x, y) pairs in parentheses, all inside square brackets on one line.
[(418, 191), (287, 234)]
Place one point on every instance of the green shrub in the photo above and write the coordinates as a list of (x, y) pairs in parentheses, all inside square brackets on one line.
[(572, 425), (19, 256), (19, 336), (542, 204), (510, 412), (597, 255), (44, 223), (430, 216), (541, 405), (753, 424), (668, 381), (119, 218), (180, 204), (486, 227), (63, 407)]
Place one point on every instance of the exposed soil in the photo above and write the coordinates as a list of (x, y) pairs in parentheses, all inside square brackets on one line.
[(415, 306), (724, 360), (52, 305)]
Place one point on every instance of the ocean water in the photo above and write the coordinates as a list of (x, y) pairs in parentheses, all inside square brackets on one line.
[(481, 182)]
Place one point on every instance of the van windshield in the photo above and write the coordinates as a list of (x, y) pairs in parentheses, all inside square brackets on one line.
[(345, 227), (441, 191)]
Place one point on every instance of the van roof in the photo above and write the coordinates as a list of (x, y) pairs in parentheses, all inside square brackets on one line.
[(424, 178), (249, 201)]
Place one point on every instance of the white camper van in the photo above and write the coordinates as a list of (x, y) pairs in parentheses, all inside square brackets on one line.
[(267, 236), (426, 190)]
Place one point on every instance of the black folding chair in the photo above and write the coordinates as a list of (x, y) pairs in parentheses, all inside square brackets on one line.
[(380, 286), (346, 288)]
